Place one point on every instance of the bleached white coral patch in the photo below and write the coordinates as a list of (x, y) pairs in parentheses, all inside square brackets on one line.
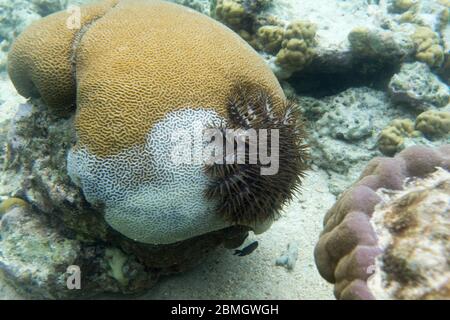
[(147, 196)]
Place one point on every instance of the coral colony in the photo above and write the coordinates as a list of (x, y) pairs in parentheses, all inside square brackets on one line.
[(139, 136)]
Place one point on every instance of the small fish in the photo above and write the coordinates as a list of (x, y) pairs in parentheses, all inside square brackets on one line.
[(247, 250)]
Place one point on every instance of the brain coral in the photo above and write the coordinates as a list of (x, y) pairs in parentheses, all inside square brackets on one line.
[(40, 61), (143, 75), (347, 248)]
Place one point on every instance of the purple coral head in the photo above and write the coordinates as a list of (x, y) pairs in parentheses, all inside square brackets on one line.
[(346, 252)]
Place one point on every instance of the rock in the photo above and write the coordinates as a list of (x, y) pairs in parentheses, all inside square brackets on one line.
[(35, 257), (16, 15), (416, 86)]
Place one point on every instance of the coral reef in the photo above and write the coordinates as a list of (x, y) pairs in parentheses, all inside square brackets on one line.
[(108, 139), (348, 246), (243, 16), (35, 257), (231, 12), (370, 77), (360, 35), (349, 35), (366, 123), (413, 231), (417, 86), (120, 192)]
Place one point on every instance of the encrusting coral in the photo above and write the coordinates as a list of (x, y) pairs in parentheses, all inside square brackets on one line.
[(434, 123), (348, 246), (129, 103)]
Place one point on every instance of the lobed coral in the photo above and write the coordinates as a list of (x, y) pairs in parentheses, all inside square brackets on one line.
[(428, 48), (16, 15), (434, 123), (348, 246), (391, 139), (246, 17), (44, 68), (298, 45)]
